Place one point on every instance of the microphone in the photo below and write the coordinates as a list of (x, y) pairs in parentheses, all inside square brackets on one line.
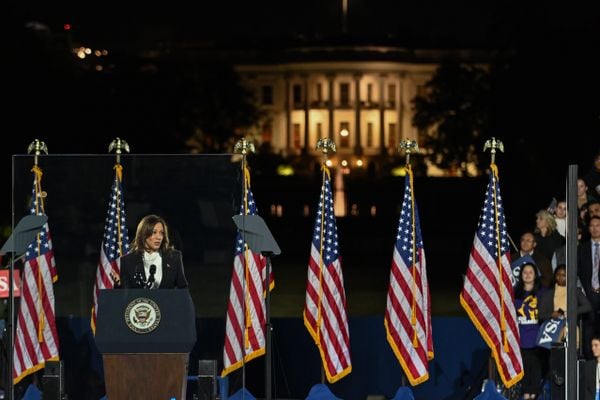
[(150, 281)]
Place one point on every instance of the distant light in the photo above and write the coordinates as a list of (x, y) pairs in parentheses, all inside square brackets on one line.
[(97, 53), (285, 170), (399, 171), (277, 210), (104, 52), (99, 67), (88, 51), (328, 163), (344, 163), (81, 54), (344, 132), (67, 27), (359, 163)]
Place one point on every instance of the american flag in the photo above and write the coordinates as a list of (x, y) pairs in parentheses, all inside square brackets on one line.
[(408, 312), (246, 309), (115, 242), (487, 294), (325, 306), (36, 339)]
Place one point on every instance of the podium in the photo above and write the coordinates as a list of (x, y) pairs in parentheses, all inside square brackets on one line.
[(145, 337)]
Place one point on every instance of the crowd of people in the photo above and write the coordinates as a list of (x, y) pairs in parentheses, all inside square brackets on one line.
[(540, 266)]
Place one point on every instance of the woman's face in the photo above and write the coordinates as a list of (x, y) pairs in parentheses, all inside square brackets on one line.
[(154, 241), (528, 274), (561, 277), (561, 209), (581, 187), (540, 222)]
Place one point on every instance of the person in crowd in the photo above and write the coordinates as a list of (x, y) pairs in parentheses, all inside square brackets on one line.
[(152, 263), (584, 195), (546, 237), (590, 209), (526, 294), (560, 216), (588, 264), (593, 208), (592, 177), (591, 372), (527, 247), (560, 254), (553, 302)]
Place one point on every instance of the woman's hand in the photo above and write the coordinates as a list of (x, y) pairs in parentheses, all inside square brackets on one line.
[(116, 279)]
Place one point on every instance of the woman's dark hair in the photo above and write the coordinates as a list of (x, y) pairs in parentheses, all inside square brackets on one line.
[(144, 231), (558, 267), (519, 290)]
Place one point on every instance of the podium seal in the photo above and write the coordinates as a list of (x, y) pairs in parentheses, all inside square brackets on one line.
[(142, 315)]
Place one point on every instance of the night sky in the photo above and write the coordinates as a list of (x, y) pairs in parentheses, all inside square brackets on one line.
[(546, 107)]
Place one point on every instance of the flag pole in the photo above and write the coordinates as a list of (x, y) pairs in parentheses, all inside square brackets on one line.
[(494, 145), (326, 146), (36, 147), (410, 146), (118, 145), (244, 147)]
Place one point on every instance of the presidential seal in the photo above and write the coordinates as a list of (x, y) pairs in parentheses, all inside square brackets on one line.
[(142, 315)]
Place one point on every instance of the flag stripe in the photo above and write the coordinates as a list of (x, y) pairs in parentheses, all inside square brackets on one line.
[(36, 313), (408, 294), (115, 242), (246, 309), (325, 304), (487, 294)]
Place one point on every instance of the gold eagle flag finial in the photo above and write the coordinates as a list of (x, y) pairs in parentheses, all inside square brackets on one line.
[(493, 144), (244, 147), (118, 145), (37, 147), (409, 147), (326, 146)]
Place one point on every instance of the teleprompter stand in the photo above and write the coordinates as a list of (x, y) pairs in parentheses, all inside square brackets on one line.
[(256, 234)]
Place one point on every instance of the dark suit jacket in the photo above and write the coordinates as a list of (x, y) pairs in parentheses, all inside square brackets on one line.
[(172, 269), (589, 374), (584, 265)]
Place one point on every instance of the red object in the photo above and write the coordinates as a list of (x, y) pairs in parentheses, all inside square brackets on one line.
[(4, 283), (67, 27)]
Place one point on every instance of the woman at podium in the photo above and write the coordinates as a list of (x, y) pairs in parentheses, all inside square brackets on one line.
[(152, 263)]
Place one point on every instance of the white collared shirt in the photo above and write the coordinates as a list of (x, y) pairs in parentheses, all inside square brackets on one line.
[(153, 258)]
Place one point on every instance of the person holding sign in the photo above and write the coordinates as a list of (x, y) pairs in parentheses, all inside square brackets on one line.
[(553, 303), (526, 303)]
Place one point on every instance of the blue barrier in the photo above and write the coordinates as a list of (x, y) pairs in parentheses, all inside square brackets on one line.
[(460, 356)]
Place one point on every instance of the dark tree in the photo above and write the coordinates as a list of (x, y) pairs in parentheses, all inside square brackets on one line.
[(454, 113)]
